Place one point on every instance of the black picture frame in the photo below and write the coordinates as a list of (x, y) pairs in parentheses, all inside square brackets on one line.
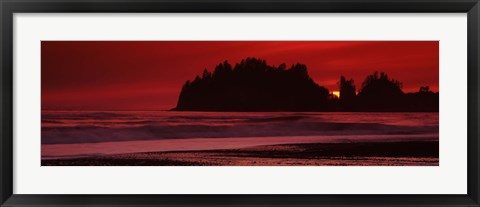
[(10, 7)]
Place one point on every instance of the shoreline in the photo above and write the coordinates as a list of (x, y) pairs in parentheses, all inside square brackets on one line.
[(82, 150), (373, 153)]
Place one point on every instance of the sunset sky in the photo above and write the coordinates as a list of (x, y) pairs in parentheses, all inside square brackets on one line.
[(144, 75)]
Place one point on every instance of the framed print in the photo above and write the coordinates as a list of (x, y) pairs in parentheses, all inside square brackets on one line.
[(239, 103)]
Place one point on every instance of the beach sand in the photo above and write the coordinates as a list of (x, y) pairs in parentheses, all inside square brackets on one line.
[(393, 153)]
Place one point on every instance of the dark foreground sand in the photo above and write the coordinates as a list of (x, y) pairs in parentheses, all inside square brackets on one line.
[(408, 153)]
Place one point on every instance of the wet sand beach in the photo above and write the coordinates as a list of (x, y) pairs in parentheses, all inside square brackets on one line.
[(398, 153)]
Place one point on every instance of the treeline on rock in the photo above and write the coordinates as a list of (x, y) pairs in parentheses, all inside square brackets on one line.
[(253, 85)]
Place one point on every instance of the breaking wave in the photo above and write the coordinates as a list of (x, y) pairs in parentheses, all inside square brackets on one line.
[(90, 127)]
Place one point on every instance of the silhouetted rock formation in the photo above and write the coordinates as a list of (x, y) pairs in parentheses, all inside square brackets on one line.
[(380, 93), (423, 100), (252, 85)]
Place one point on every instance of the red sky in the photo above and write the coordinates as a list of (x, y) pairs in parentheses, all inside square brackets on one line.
[(146, 75)]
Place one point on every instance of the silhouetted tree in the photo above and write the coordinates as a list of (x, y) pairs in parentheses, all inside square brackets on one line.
[(424, 89), (347, 93), (253, 85), (380, 93), (423, 100)]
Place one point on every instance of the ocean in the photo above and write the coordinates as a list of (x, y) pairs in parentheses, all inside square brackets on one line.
[(92, 133)]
